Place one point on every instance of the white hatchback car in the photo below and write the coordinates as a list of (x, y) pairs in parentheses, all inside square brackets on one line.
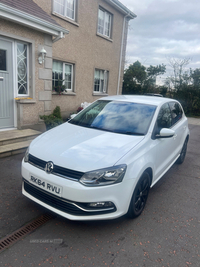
[(102, 163)]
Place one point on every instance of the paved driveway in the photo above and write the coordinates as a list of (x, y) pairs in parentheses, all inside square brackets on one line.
[(166, 234)]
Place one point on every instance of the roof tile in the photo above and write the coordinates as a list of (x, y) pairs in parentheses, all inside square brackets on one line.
[(29, 7)]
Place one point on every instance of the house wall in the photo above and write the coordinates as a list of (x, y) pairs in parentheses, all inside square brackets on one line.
[(27, 111), (84, 48)]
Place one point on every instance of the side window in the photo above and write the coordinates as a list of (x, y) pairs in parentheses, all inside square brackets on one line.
[(100, 81), (62, 74), (22, 68), (3, 60), (104, 23), (164, 119), (65, 8), (176, 112)]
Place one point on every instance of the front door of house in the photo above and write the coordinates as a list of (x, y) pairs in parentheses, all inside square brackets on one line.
[(6, 85)]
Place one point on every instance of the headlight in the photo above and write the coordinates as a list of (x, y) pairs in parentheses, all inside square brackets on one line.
[(106, 176), (26, 156)]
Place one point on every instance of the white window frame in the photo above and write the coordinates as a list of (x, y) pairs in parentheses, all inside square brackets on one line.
[(27, 70), (104, 23), (65, 8), (72, 75), (105, 85), (63, 74)]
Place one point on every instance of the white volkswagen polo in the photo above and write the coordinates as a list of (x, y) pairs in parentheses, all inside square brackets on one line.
[(102, 163)]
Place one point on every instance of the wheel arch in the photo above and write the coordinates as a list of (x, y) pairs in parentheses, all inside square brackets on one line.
[(150, 172), (138, 200)]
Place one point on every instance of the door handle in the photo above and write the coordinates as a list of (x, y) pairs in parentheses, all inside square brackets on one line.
[(1, 78), (175, 136)]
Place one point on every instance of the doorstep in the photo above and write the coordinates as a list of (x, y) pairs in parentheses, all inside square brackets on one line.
[(16, 141)]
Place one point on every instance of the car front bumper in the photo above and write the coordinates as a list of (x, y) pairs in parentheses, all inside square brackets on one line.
[(73, 198)]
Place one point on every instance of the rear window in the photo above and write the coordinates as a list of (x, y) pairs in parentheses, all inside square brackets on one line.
[(118, 117)]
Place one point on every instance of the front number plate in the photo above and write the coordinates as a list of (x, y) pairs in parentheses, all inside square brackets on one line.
[(48, 186)]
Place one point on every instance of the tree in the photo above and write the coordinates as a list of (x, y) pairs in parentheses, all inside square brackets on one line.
[(179, 75), (155, 71), (195, 75), (184, 85), (139, 80)]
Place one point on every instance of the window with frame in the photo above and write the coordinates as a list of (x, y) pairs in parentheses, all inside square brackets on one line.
[(100, 81), (22, 68), (104, 23), (62, 74), (65, 8)]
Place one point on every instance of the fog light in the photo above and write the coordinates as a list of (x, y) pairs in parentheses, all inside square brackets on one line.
[(106, 204)]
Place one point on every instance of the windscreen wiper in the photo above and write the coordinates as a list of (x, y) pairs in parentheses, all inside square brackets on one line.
[(131, 133)]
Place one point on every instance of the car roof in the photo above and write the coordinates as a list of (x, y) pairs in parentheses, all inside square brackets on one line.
[(143, 99)]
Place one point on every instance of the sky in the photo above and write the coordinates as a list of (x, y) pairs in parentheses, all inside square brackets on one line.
[(164, 29)]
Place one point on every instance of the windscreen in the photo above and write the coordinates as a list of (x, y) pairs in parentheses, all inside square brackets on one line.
[(115, 116)]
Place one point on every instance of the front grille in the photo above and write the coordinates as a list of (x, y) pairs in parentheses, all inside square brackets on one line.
[(37, 162), (73, 208), (57, 170)]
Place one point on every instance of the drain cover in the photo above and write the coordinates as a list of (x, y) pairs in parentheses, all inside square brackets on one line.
[(8, 241)]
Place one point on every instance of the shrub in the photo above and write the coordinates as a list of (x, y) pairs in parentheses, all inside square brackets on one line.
[(57, 112), (189, 96), (52, 120), (60, 87), (79, 109)]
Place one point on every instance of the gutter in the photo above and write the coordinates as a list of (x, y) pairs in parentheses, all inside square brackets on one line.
[(121, 52), (118, 5), (128, 14), (31, 21), (60, 36)]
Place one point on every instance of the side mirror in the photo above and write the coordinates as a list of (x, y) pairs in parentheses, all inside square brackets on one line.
[(165, 133)]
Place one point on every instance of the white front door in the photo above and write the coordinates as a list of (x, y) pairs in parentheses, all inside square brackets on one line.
[(6, 85), (164, 147)]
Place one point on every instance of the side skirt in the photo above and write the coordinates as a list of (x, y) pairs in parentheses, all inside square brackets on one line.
[(164, 171)]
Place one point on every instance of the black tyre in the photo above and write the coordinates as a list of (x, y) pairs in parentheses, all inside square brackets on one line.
[(140, 196), (183, 152)]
